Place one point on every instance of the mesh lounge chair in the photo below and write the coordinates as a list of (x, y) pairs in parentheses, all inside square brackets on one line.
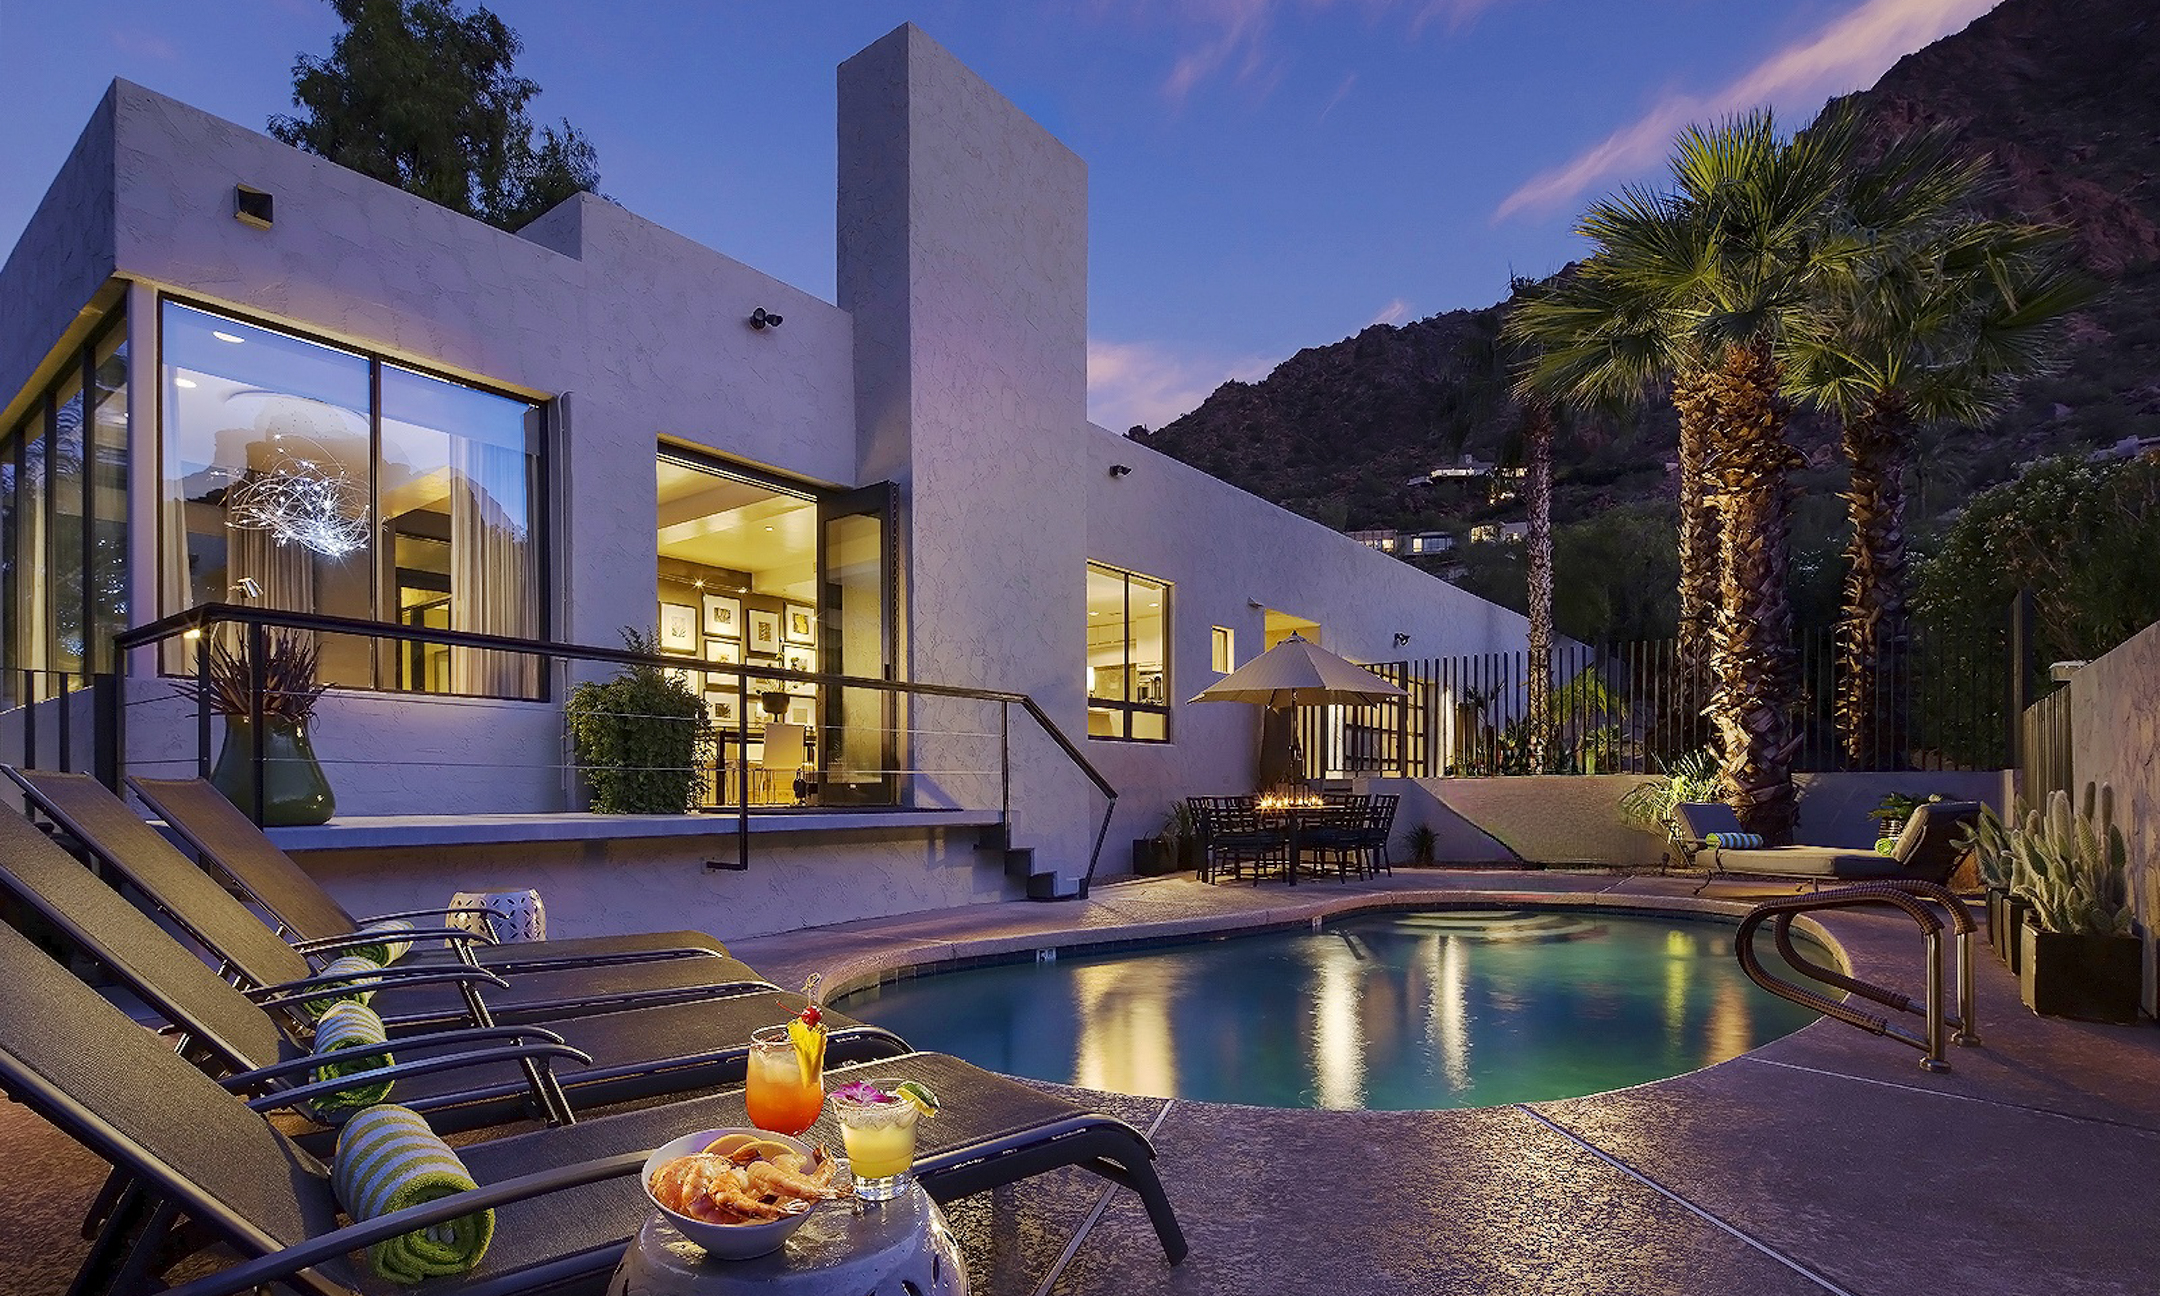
[(567, 1199), (632, 1054), (233, 845), (1925, 850), (250, 949)]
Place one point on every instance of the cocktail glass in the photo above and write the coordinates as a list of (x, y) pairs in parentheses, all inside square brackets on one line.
[(878, 1131), (784, 1090)]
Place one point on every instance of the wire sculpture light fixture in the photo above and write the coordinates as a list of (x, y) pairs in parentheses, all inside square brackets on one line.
[(302, 502)]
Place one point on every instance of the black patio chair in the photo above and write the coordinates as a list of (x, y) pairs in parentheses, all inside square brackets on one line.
[(1233, 835), (1379, 826), (232, 845), (253, 951), (1336, 835), (263, 1052), (567, 1199)]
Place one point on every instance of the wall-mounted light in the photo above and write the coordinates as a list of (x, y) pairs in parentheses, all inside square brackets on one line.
[(1401, 639), (762, 319), (1254, 603), (1120, 470)]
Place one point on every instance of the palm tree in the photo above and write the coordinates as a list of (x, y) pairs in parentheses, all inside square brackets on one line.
[(1939, 321), (1702, 283)]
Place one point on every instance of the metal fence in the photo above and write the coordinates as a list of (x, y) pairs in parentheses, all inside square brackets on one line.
[(1632, 708)]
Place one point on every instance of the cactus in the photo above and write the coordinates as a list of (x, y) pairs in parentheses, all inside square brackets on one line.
[(1988, 839), (2073, 867)]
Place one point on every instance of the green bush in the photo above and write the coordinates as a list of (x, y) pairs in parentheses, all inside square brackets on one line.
[(643, 738)]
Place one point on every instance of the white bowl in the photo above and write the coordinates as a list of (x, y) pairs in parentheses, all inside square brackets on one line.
[(726, 1241)]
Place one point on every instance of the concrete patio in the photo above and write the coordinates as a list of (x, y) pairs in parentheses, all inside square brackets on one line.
[(1823, 1162)]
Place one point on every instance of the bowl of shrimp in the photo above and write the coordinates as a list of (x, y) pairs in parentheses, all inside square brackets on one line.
[(740, 1193)]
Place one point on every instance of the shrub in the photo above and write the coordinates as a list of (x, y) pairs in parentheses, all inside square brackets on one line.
[(642, 739)]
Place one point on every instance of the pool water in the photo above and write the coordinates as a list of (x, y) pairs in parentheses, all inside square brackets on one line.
[(1393, 1011)]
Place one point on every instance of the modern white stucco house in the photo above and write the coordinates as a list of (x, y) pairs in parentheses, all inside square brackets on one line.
[(561, 432)]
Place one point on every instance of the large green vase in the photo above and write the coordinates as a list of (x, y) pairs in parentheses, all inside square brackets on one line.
[(294, 788)]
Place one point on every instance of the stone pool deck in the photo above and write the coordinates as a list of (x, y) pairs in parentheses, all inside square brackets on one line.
[(1826, 1161)]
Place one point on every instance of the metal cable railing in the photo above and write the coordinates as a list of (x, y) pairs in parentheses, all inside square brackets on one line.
[(197, 628)]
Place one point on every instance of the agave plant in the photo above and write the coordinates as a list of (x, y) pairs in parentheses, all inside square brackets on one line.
[(2073, 866), (1989, 841)]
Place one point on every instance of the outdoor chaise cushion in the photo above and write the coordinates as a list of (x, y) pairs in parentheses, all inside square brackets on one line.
[(232, 844), (636, 1053), (117, 1089), (233, 933), (1924, 852)]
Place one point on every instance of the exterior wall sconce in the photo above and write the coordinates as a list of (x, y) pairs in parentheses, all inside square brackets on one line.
[(1120, 470), (1401, 640), (762, 319), (252, 206)]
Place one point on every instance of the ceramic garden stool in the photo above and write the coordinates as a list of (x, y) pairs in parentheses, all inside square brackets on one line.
[(527, 916), (874, 1249)]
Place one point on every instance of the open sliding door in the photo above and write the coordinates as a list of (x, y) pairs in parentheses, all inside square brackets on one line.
[(858, 565)]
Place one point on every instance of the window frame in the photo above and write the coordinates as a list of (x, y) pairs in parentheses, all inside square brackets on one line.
[(541, 521), (1126, 709)]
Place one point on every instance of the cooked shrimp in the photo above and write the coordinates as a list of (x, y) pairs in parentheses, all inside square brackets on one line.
[(767, 1177)]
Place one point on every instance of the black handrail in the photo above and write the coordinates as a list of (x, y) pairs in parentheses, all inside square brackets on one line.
[(205, 616)]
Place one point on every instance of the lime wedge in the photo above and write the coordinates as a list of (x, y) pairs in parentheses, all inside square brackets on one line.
[(809, 1044), (917, 1093)]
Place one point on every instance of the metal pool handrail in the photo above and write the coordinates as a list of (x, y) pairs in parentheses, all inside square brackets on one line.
[(1912, 898)]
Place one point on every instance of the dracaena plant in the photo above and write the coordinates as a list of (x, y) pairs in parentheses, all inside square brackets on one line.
[(290, 686)]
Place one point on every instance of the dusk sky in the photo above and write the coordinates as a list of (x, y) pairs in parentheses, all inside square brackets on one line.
[(1265, 175)]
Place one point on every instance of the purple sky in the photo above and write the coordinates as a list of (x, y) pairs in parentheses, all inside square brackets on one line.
[(1265, 174)]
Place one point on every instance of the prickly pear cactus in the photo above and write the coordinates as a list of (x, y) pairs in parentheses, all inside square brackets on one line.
[(2073, 866)]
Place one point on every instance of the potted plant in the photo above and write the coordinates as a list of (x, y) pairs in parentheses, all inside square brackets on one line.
[(1894, 809), (2080, 956), (1987, 840), (1691, 779), (643, 739), (295, 790), (1175, 847)]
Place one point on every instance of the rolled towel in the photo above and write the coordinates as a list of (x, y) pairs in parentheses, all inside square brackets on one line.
[(388, 1159), (351, 965), (390, 951), (1736, 841), (347, 1026), (1886, 845)]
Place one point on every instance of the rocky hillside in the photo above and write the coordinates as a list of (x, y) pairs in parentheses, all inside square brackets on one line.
[(2063, 94)]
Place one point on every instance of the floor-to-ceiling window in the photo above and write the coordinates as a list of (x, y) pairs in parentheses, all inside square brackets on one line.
[(63, 520), (314, 478)]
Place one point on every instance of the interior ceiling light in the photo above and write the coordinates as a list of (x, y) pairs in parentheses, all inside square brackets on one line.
[(183, 382), (300, 503), (222, 336)]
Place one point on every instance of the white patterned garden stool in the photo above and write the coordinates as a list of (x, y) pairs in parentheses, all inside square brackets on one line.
[(845, 1248), (524, 918)]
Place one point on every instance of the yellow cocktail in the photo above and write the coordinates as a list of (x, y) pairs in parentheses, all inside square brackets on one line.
[(877, 1126)]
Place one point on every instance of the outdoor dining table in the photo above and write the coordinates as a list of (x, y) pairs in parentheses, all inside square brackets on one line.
[(1294, 819)]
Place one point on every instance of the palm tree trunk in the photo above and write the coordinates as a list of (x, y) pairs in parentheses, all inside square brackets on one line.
[(1538, 432), (1694, 396), (1872, 635), (1752, 652)]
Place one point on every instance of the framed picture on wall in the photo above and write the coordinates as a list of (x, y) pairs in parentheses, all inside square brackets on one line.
[(725, 651), (678, 628), (764, 633), (721, 706), (723, 616), (798, 658), (802, 711), (801, 624)]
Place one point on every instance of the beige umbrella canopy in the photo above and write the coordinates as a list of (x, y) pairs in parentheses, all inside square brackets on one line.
[(1297, 673)]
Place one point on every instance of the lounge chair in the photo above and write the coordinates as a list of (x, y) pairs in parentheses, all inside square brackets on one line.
[(105, 825), (231, 843), (1924, 851), (567, 1199), (632, 1054)]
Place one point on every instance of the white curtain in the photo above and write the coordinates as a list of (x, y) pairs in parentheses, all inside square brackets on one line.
[(490, 568)]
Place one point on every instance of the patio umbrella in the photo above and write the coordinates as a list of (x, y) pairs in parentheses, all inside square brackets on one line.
[(1293, 673), (1297, 673)]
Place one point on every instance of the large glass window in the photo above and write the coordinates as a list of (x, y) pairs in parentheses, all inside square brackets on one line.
[(63, 521), (311, 478), (1128, 673)]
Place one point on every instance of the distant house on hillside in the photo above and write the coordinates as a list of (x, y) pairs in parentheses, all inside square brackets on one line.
[(1501, 532)]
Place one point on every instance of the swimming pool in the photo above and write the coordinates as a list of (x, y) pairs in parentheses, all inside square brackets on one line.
[(1388, 1011)]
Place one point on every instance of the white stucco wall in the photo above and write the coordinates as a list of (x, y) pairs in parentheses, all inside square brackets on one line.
[(1223, 551), (65, 255)]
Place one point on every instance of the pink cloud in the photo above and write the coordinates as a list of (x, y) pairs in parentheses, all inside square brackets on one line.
[(1153, 383), (1846, 55)]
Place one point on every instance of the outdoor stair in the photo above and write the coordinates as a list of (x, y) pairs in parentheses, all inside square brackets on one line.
[(1043, 880)]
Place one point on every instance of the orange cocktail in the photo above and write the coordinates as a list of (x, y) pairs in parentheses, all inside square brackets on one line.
[(785, 1088)]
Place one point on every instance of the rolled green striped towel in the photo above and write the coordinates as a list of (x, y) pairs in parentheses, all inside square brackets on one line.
[(351, 965), (347, 1026), (388, 1159), (390, 951), (1886, 845), (1736, 841)]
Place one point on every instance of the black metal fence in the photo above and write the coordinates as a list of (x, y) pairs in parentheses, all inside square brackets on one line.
[(1632, 708)]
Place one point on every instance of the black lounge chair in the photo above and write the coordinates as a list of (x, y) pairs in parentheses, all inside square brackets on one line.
[(249, 948), (231, 843), (567, 1199), (1925, 850), (628, 1055)]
